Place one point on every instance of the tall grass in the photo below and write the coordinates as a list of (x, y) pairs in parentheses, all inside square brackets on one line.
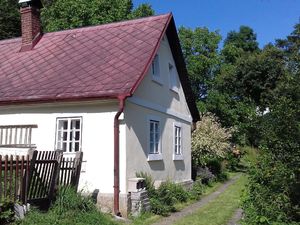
[(70, 208)]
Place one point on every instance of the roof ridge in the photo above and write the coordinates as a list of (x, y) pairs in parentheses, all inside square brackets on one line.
[(10, 40), (112, 24)]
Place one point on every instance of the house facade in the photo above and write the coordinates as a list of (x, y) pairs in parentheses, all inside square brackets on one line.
[(117, 92)]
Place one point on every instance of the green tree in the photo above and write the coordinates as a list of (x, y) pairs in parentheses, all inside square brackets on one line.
[(245, 39), (143, 10), (273, 193), (291, 48), (66, 14), (10, 25), (200, 50)]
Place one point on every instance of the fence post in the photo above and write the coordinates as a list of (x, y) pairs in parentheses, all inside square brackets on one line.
[(29, 173), (78, 162), (53, 183)]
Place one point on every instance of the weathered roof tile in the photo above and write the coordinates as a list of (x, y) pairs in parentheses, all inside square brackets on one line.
[(98, 61)]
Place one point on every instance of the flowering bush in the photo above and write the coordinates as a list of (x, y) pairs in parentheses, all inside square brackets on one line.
[(210, 140)]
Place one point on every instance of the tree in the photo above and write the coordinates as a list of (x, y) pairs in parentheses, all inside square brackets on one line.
[(291, 48), (10, 25), (244, 39), (200, 50), (66, 14), (273, 192), (143, 10), (210, 140)]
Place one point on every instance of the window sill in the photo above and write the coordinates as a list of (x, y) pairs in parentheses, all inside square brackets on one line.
[(174, 89), (154, 157), (157, 80), (178, 157)]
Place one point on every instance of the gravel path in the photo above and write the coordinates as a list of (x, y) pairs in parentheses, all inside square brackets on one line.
[(194, 207)]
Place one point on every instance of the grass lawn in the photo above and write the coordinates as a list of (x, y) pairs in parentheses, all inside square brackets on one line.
[(150, 218), (220, 210)]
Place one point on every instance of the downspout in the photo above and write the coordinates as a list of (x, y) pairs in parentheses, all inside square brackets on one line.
[(117, 156)]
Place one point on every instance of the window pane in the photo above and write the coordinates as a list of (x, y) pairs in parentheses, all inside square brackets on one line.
[(153, 68), (65, 124), (151, 137), (77, 124), (59, 136), (151, 126), (156, 137), (65, 136), (64, 146), (156, 148), (156, 127), (70, 147), (151, 147), (77, 135), (76, 146)]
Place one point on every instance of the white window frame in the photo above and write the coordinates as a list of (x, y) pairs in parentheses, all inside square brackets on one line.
[(177, 142), (173, 81), (155, 70), (68, 130), (151, 155)]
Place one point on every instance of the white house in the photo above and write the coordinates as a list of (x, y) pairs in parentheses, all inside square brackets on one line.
[(117, 92)]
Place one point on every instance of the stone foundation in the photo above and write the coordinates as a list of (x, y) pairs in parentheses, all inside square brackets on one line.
[(106, 203), (139, 202)]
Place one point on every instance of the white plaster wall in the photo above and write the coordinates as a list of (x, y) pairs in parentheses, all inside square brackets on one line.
[(160, 93), (137, 151), (157, 99), (97, 136)]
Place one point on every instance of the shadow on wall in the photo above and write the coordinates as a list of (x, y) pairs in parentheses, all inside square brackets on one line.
[(157, 165), (179, 165)]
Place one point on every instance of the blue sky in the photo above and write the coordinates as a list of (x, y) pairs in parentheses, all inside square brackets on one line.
[(270, 19)]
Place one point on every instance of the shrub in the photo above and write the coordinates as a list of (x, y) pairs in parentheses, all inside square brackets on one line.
[(209, 141), (163, 199), (205, 175), (269, 199), (6, 211), (196, 190)]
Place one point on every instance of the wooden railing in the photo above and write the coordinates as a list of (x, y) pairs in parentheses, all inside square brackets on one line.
[(16, 136), (35, 178)]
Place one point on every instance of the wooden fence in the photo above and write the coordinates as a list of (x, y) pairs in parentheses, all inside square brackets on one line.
[(35, 178), (14, 177)]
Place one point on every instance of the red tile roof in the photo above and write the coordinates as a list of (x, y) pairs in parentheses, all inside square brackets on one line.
[(99, 61), (105, 61)]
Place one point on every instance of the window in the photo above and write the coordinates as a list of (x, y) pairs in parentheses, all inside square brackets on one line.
[(68, 134), (154, 139), (155, 71), (177, 140), (173, 78), (177, 155)]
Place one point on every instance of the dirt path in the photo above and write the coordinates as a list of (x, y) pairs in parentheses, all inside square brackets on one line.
[(236, 217), (194, 207)]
